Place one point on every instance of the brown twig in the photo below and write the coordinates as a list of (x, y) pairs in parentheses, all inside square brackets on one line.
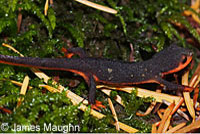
[(97, 6), (165, 118)]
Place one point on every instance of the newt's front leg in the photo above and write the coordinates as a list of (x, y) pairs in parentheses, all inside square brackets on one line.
[(92, 92), (88, 77), (172, 86)]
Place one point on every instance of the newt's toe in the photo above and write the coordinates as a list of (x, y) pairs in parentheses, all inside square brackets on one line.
[(6, 110), (95, 107), (188, 89)]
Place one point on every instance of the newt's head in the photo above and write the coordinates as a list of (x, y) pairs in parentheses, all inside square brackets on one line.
[(173, 59)]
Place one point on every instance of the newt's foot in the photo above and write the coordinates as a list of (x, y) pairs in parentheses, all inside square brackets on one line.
[(188, 89), (66, 53), (97, 105)]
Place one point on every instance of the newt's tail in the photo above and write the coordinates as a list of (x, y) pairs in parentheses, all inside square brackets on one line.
[(42, 63)]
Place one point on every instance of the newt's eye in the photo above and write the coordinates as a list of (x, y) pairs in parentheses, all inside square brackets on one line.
[(184, 59)]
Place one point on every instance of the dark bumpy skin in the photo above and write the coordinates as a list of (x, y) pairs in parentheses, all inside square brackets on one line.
[(114, 72)]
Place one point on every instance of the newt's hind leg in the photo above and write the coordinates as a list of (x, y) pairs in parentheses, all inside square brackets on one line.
[(172, 86), (74, 51), (92, 93)]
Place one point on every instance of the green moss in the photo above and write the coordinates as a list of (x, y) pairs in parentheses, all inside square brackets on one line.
[(71, 24)]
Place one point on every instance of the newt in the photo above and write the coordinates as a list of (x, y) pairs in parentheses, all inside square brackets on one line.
[(113, 72)]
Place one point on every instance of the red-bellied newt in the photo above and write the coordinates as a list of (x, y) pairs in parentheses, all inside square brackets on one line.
[(113, 72)]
